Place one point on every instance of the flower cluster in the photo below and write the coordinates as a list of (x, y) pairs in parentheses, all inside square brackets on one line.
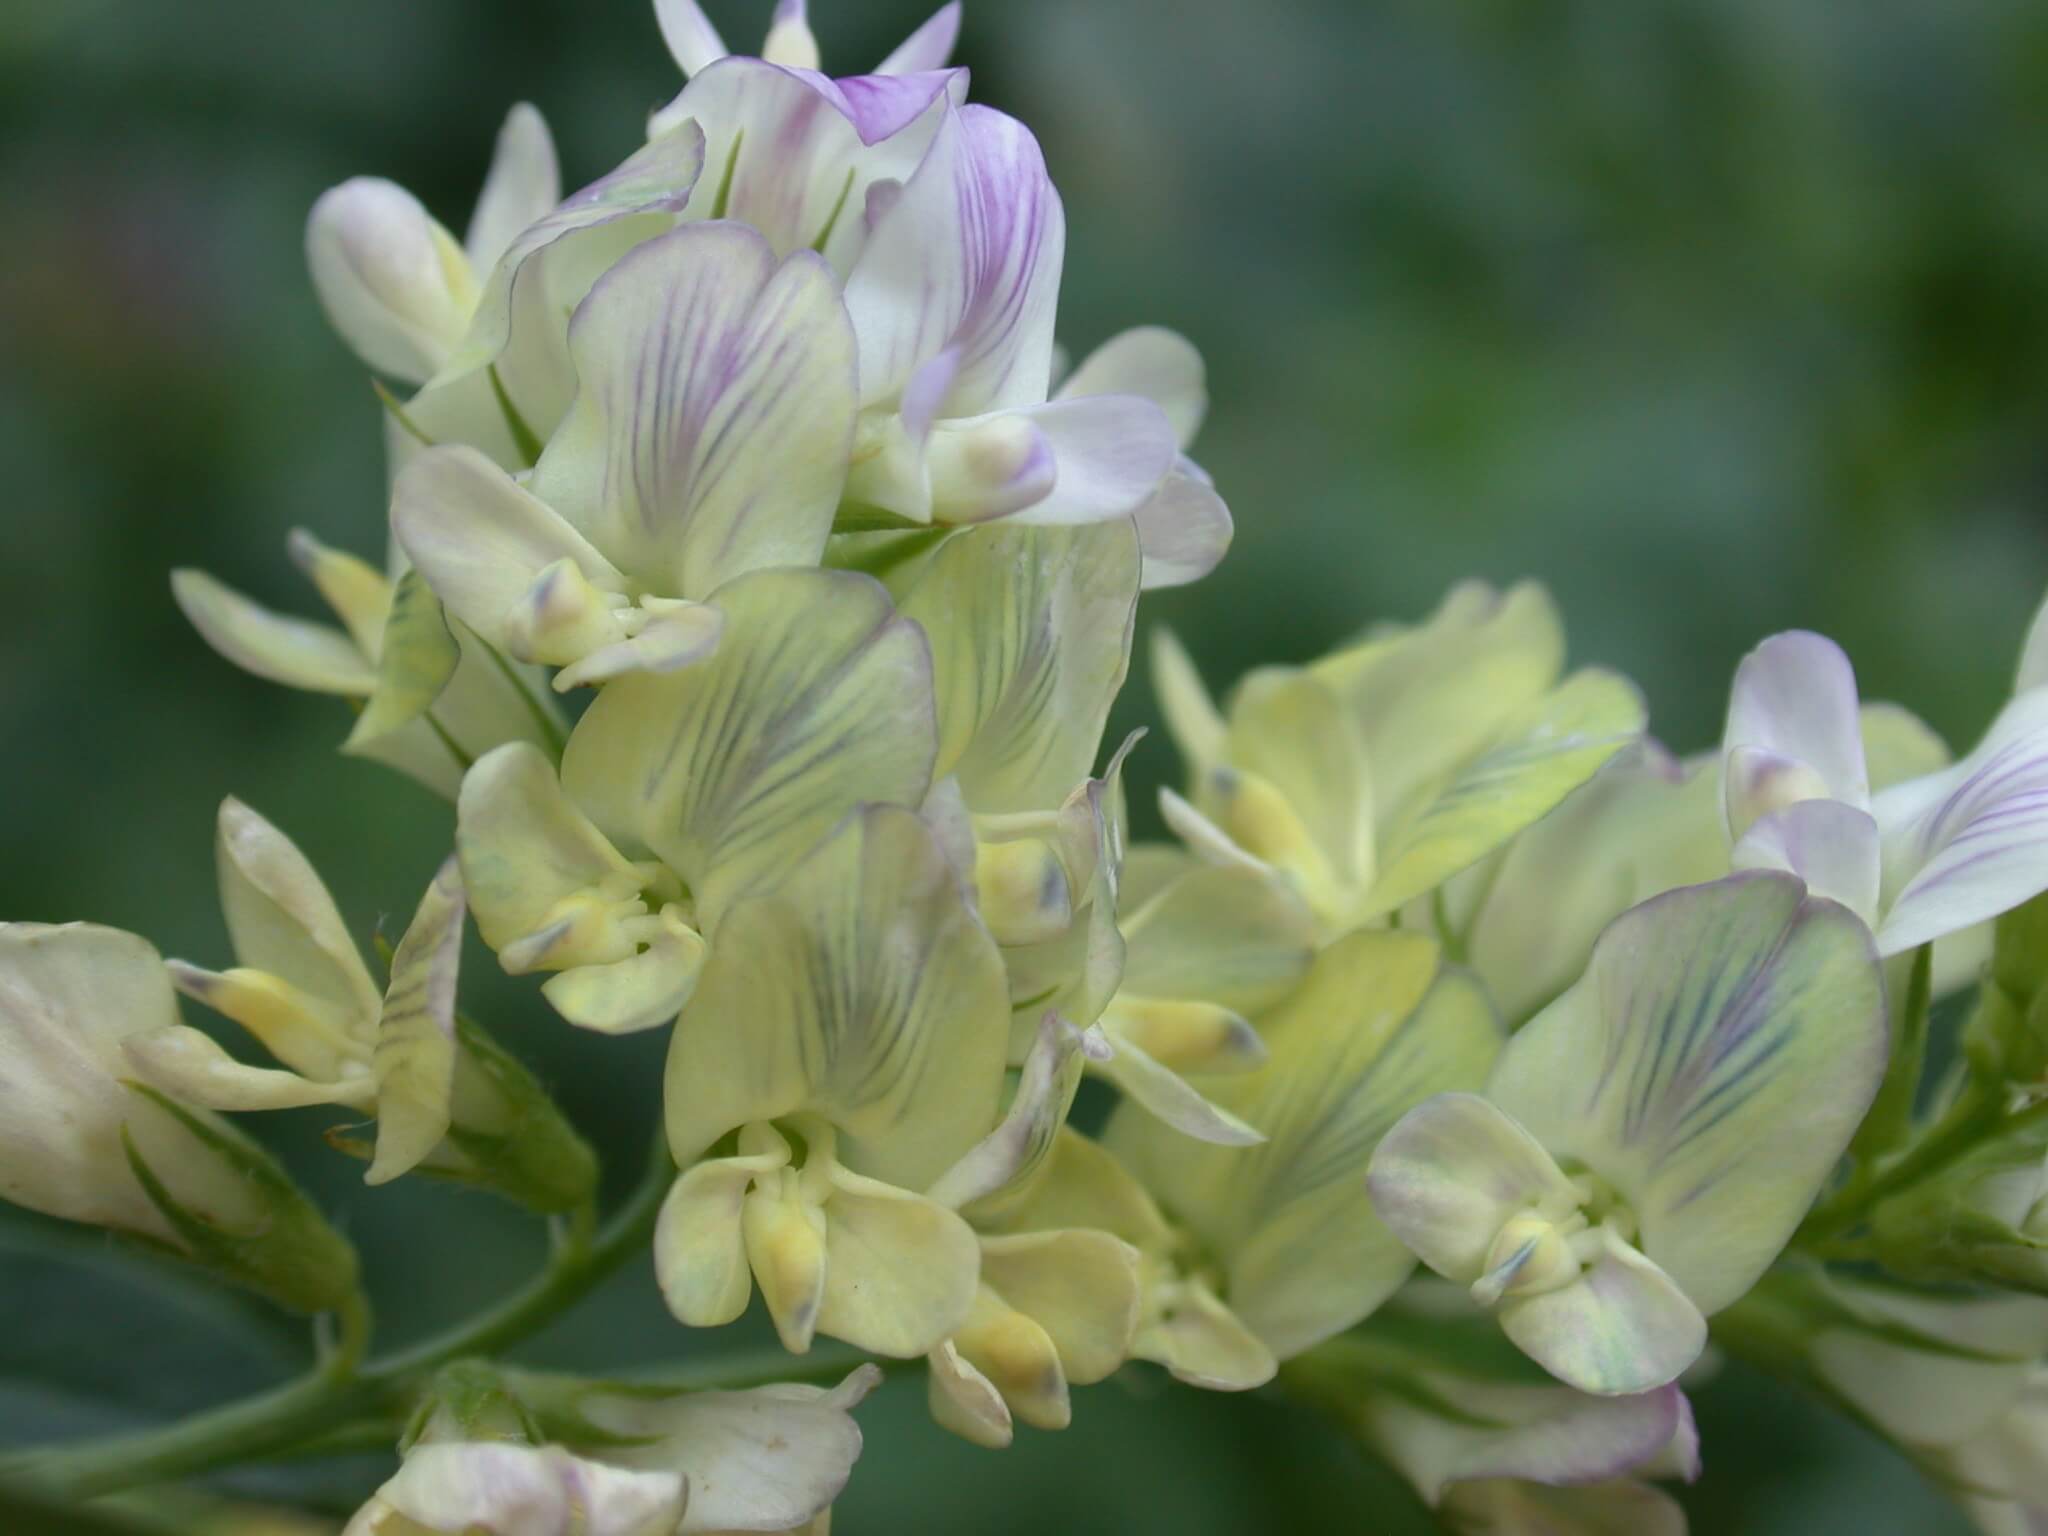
[(758, 594)]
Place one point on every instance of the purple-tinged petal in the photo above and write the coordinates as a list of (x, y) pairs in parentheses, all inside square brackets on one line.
[(968, 256), (714, 411), (882, 106), (1794, 699), (1830, 845), (692, 40), (1110, 454), (1184, 529), (655, 181), (1148, 360), (1970, 842), (796, 155), (929, 47), (1709, 1068)]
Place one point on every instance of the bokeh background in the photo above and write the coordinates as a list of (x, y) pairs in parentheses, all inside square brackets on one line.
[(1717, 316)]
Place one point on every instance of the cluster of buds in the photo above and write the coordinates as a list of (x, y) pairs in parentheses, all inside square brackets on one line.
[(758, 593)]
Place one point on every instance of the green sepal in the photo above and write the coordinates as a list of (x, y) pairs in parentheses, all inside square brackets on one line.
[(420, 655), (1890, 1119), (1944, 1228), (507, 1136), (467, 1401), (295, 1258)]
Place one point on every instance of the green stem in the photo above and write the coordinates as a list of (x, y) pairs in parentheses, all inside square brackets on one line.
[(272, 1423), (544, 716)]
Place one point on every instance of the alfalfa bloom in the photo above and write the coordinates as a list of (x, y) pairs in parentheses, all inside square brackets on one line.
[(843, 1048), (1647, 1144), (81, 1141), (444, 1097), (1374, 775), (1249, 1255), (515, 1454), (431, 696), (1920, 860)]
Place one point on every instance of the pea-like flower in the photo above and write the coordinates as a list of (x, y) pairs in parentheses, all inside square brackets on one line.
[(1921, 860), (621, 1460), (1253, 1254), (1647, 1144), (394, 282), (843, 1048), (444, 1098), (432, 697), (80, 1140), (1382, 770)]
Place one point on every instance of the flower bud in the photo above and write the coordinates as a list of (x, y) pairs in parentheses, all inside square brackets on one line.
[(79, 1141), (393, 282)]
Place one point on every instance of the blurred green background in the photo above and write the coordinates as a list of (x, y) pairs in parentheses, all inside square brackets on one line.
[(1718, 316)]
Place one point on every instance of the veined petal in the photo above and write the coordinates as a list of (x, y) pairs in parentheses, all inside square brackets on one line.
[(929, 47), (1231, 937), (503, 561), (281, 919), (1970, 842), (1829, 844), (1453, 1172), (818, 697), (1710, 1067), (1370, 1032), (1432, 697), (861, 989), (1110, 454), (1031, 638), (1794, 697), (1184, 529), (1539, 756), (967, 257), (900, 1271), (1153, 363), (795, 155), (191, 1067), (1623, 1327), (414, 1062), (522, 186), (299, 654), (638, 197), (714, 411), (700, 1255)]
